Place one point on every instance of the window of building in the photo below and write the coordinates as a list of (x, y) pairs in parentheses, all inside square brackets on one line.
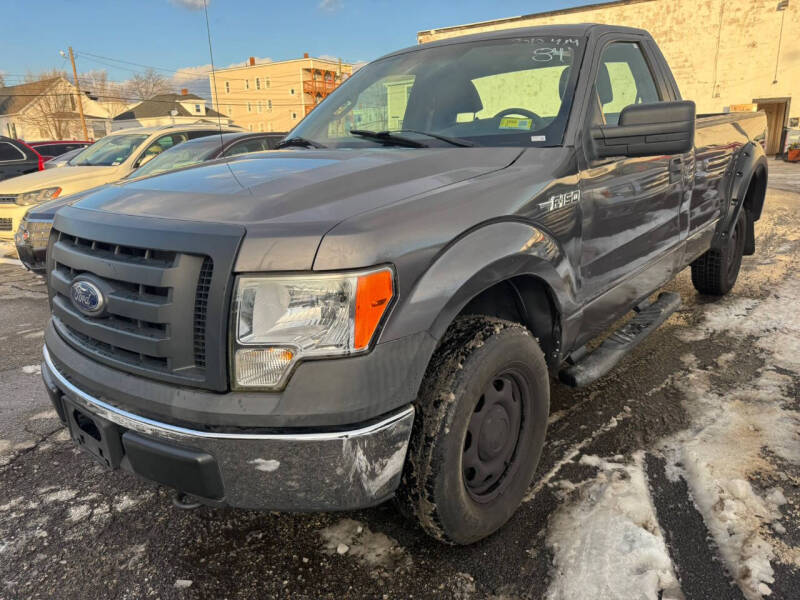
[(258, 106), (294, 116), (249, 107), (227, 87), (230, 109), (247, 84), (250, 127), (623, 79), (258, 83), (261, 127), (266, 82), (197, 108), (291, 92), (269, 104)]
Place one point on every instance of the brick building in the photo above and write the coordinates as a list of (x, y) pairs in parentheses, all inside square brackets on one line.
[(725, 54), (275, 96)]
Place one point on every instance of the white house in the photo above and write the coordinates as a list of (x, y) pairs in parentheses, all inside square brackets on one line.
[(48, 110), (169, 109)]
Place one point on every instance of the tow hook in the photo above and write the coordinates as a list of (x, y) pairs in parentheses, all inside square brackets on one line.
[(182, 501)]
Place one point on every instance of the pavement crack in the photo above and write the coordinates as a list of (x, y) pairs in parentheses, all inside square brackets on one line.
[(25, 451)]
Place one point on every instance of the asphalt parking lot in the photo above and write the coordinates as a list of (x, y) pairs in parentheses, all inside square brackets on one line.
[(676, 476)]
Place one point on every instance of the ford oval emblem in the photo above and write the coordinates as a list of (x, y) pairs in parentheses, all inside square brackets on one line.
[(87, 297)]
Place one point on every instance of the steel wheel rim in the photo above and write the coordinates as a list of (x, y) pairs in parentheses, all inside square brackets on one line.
[(491, 442)]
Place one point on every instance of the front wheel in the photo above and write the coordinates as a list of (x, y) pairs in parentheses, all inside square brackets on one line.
[(715, 272), (479, 432)]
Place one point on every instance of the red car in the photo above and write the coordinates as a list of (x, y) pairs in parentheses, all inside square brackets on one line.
[(51, 149)]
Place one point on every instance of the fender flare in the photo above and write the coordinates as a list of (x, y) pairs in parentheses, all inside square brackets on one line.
[(477, 260), (751, 157)]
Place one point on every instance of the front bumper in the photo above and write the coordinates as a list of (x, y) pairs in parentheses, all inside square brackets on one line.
[(10, 217), (310, 471), (33, 259)]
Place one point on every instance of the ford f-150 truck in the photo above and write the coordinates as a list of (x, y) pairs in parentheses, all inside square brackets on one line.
[(377, 309)]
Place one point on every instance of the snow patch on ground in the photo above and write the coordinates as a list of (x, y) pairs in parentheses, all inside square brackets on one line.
[(717, 456), (574, 451), (606, 541), (733, 436), (376, 550), (263, 464), (32, 369), (59, 496)]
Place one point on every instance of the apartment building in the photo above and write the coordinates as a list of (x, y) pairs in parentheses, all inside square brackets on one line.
[(275, 96)]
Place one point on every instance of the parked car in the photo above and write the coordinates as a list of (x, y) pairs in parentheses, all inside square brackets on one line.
[(63, 159), (34, 228), (51, 149), (109, 159), (16, 158), (377, 310)]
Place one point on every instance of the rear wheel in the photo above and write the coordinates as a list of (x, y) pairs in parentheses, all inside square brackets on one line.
[(715, 272), (480, 428)]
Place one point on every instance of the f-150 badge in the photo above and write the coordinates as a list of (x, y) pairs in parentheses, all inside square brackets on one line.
[(557, 201)]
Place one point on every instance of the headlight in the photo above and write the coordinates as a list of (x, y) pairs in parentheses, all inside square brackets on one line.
[(38, 196), (280, 320)]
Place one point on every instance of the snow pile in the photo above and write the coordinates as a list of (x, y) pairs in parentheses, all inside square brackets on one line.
[(607, 543), (734, 435), (724, 447), (376, 550)]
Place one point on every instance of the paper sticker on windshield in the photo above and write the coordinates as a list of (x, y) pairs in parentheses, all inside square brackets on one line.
[(516, 123)]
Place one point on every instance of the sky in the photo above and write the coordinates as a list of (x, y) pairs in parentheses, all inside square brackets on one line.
[(171, 34)]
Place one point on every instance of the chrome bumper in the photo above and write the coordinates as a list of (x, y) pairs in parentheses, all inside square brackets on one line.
[(323, 471)]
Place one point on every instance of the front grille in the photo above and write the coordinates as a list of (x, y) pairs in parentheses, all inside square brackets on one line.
[(156, 304), (5, 224), (201, 311), (8, 199)]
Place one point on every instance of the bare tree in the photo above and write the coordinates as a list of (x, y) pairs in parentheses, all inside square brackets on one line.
[(2, 81), (31, 77), (52, 113), (148, 84)]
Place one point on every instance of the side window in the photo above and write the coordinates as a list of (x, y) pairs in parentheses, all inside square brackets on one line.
[(255, 145), (165, 142), (193, 135), (623, 78), (10, 152)]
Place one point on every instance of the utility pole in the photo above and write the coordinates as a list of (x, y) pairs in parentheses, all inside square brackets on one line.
[(80, 99)]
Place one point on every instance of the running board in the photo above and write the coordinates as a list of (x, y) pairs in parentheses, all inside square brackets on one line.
[(592, 366)]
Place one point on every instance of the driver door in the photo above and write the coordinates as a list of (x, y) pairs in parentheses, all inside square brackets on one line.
[(630, 205)]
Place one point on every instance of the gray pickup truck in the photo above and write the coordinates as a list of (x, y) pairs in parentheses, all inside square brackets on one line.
[(378, 308)]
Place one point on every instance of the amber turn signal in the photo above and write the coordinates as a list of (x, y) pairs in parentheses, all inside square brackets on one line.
[(373, 295)]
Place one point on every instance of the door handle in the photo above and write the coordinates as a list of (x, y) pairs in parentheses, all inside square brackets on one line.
[(675, 169)]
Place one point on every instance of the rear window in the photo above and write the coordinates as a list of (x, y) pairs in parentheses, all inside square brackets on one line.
[(9, 151)]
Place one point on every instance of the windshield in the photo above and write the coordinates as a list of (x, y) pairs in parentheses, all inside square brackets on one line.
[(182, 155), (109, 151), (503, 92)]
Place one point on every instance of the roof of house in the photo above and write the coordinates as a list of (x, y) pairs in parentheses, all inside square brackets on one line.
[(161, 105), (14, 98)]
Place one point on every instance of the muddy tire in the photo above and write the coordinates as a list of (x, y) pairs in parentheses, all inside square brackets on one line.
[(715, 272), (479, 430)]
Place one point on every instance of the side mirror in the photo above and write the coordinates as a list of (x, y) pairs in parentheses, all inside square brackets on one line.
[(647, 130)]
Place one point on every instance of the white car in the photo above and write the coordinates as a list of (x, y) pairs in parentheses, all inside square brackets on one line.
[(109, 159)]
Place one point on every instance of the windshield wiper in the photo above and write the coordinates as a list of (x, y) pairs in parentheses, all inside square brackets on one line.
[(388, 137), (299, 142), (450, 140)]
